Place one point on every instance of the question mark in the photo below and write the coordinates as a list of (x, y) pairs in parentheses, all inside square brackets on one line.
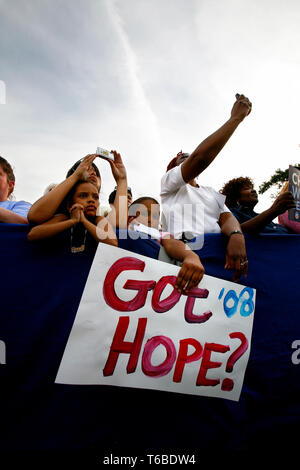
[(227, 384)]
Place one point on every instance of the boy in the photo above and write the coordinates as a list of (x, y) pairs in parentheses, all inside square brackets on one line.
[(143, 217), (11, 212)]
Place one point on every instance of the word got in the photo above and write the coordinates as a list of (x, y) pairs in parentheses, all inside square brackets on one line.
[(203, 352)]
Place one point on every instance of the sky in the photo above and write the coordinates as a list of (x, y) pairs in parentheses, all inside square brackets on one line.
[(147, 78)]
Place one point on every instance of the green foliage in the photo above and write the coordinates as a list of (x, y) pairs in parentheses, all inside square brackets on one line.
[(279, 177)]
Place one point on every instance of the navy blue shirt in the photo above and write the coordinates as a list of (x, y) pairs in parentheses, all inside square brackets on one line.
[(243, 214)]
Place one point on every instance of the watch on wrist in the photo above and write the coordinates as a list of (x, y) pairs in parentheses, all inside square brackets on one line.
[(235, 232)]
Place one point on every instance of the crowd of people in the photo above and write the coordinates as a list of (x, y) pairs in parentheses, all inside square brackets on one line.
[(187, 210)]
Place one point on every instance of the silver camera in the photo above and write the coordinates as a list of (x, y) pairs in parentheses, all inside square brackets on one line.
[(104, 153)]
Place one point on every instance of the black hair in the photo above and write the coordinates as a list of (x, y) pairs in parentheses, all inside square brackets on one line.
[(140, 201), (70, 195), (232, 189), (112, 195), (65, 204)]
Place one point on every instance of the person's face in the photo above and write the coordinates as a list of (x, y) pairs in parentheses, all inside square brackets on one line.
[(248, 196), (129, 199), (149, 214), (5, 185), (87, 195), (93, 178)]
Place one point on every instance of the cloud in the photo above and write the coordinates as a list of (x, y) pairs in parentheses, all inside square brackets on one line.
[(147, 78)]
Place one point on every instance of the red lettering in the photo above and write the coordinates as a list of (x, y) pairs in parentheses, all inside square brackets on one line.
[(168, 303), (239, 351), (196, 292), (183, 357), (142, 287), (163, 368), (227, 385), (208, 364), (120, 346)]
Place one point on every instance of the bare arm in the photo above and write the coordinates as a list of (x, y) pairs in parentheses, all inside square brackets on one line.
[(236, 256), (102, 231), (118, 216), (206, 152), (192, 269), (282, 203), (228, 223), (10, 217), (45, 207), (50, 228)]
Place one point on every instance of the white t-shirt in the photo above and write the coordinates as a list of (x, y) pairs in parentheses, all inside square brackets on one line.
[(188, 209)]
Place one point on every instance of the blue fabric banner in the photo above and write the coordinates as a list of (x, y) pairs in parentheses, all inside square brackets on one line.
[(42, 284)]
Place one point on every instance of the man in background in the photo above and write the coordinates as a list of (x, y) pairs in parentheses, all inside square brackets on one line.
[(11, 212)]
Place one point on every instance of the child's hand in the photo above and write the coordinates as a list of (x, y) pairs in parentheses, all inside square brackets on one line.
[(191, 272), (76, 212)]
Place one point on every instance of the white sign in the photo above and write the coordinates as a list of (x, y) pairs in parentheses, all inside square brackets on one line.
[(133, 329)]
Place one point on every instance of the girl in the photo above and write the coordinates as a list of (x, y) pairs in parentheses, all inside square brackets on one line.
[(82, 203), (50, 204)]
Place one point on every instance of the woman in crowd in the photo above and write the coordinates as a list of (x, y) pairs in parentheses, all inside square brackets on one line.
[(241, 198)]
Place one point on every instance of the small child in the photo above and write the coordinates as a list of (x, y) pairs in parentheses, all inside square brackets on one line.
[(144, 214), (82, 203)]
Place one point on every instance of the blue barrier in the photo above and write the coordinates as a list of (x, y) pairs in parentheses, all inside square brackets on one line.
[(42, 285)]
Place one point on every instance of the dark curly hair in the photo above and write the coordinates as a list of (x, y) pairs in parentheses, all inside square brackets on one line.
[(232, 189)]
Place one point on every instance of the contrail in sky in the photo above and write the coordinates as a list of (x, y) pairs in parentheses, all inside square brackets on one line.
[(137, 88)]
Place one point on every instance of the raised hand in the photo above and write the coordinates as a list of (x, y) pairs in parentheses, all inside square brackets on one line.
[(82, 170), (283, 202), (117, 167), (241, 108)]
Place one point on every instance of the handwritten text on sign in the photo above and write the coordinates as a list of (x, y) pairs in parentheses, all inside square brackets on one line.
[(134, 329)]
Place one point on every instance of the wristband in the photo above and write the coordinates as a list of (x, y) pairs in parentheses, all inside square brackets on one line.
[(235, 232)]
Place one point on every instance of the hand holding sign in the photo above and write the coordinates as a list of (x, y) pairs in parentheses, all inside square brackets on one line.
[(135, 329), (190, 273), (282, 203), (294, 187)]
